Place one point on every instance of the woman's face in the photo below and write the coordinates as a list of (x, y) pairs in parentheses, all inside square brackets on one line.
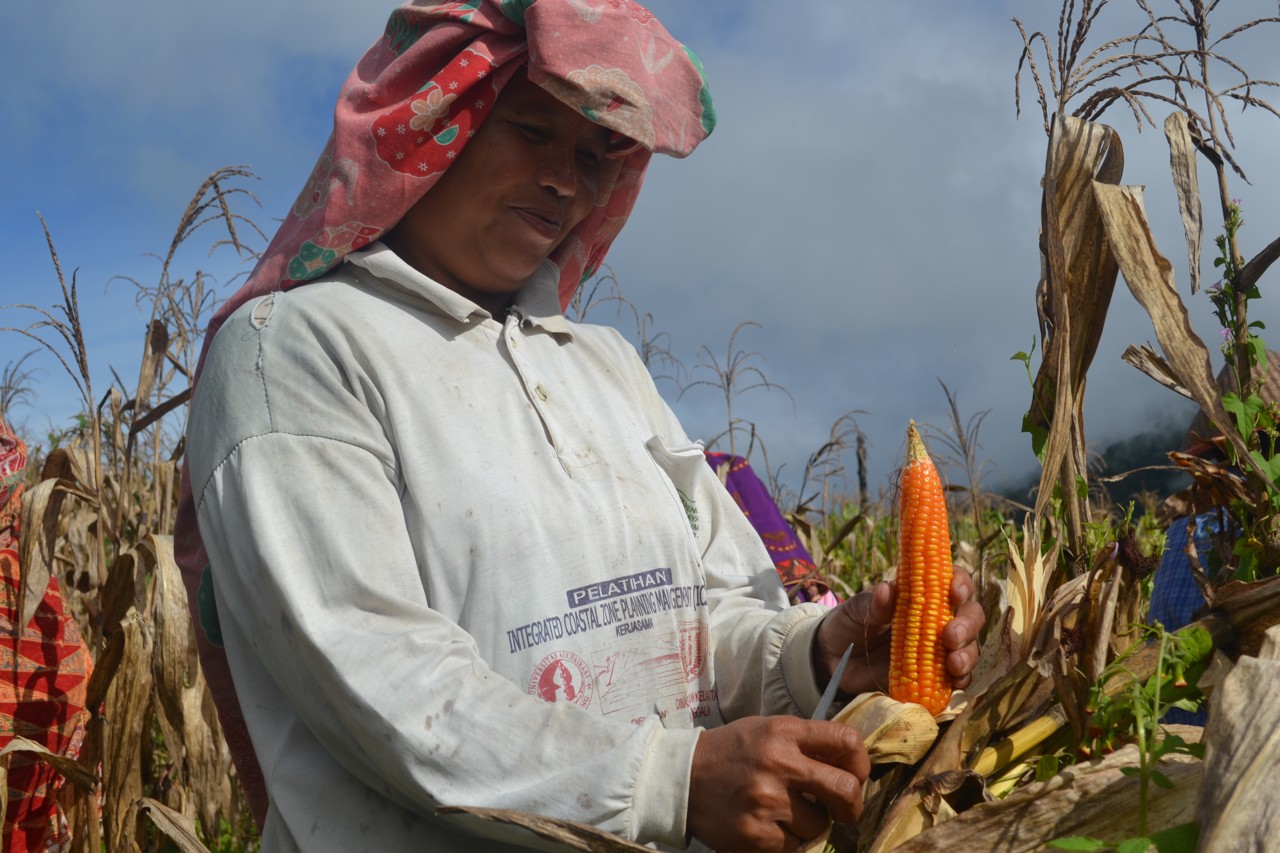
[(526, 179)]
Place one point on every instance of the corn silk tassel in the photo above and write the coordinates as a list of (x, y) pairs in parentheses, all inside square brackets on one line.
[(917, 662)]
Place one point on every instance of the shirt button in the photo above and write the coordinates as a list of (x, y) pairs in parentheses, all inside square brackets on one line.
[(541, 392)]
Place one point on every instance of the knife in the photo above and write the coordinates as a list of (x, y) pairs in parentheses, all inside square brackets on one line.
[(833, 686)]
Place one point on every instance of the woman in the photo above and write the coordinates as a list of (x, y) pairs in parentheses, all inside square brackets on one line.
[(462, 553)]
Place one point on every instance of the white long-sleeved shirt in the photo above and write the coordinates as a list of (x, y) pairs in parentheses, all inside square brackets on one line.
[(464, 562)]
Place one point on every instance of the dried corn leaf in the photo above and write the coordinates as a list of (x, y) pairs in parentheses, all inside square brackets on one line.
[(174, 650), (906, 819), (104, 669), (1150, 362), (1060, 643), (164, 482), (1097, 799), (124, 731), (1186, 182), (1150, 279), (122, 590), (178, 828), (1056, 639), (179, 687), (1027, 587), (1237, 808), (152, 358), (206, 761), (81, 545), (1077, 283), (72, 464), (41, 506), (1079, 153), (571, 834), (76, 773), (1104, 595)]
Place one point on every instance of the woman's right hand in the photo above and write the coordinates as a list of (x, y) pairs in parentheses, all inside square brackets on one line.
[(769, 784)]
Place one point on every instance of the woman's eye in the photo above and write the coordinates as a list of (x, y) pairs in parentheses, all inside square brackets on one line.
[(532, 132), (590, 156)]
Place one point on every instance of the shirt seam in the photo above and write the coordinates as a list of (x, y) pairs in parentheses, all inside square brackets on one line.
[(204, 487)]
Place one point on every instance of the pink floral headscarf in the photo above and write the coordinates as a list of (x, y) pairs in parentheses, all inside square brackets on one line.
[(416, 97), (403, 116)]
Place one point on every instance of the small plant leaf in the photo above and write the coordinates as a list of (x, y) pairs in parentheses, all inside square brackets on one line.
[(1078, 842), (1134, 845), (1177, 839), (1047, 767)]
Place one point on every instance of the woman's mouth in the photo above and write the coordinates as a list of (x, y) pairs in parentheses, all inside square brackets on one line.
[(545, 222)]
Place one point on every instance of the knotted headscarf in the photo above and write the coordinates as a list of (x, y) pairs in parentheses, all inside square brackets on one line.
[(403, 116), (412, 103)]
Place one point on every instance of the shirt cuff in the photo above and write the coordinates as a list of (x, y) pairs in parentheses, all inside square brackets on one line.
[(796, 659), (661, 804)]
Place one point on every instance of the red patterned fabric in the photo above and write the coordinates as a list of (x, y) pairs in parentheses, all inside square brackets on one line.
[(44, 671)]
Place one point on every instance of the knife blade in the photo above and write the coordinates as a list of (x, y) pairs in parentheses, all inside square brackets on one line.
[(833, 686)]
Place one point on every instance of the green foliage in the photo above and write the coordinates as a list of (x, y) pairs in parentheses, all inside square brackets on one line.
[(859, 558), (1176, 839), (1133, 715), (1230, 296), (1039, 435), (1078, 842), (235, 839)]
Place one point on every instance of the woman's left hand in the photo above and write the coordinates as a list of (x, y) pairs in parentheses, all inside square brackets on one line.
[(865, 620)]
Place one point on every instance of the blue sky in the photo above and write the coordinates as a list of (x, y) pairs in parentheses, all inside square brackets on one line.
[(869, 196)]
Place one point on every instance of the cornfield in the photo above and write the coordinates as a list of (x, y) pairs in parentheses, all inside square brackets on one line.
[(1058, 738)]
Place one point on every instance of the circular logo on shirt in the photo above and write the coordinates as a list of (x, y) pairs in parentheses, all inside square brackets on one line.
[(562, 677)]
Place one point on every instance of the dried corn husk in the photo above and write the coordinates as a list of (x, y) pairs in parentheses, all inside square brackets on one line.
[(1099, 799), (893, 731), (1237, 804)]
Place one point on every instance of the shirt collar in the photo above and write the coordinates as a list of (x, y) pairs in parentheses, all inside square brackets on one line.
[(537, 302)]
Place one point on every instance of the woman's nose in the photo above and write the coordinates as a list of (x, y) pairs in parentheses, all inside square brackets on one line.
[(559, 171)]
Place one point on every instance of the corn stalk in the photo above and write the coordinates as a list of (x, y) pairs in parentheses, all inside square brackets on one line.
[(99, 517)]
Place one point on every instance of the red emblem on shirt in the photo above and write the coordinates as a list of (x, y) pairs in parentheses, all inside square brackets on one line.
[(693, 649), (562, 677)]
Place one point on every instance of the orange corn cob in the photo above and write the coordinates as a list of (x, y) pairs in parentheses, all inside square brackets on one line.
[(917, 662)]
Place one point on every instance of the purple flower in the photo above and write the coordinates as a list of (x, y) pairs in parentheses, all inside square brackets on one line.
[(1215, 288), (1226, 334)]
